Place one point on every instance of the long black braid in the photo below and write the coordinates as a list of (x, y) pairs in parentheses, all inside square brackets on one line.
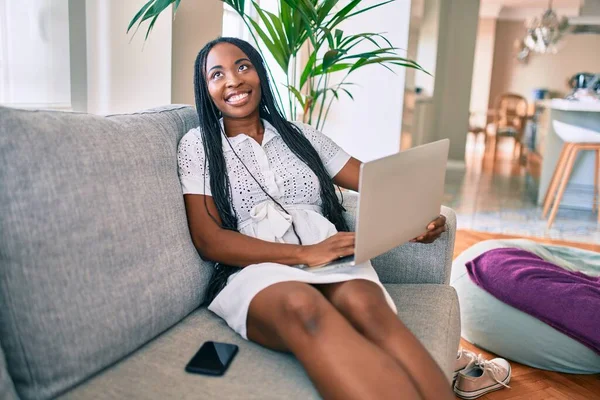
[(212, 137)]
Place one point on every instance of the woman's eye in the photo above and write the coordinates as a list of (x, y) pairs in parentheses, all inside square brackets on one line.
[(243, 67), (217, 75)]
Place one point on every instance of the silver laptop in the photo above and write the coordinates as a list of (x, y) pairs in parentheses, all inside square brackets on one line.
[(399, 196)]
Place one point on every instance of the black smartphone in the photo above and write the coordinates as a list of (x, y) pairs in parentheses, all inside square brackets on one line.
[(213, 358)]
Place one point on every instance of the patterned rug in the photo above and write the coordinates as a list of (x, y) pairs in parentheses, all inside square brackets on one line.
[(570, 225)]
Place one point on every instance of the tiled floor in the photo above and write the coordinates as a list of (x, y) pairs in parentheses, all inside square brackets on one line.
[(499, 198)]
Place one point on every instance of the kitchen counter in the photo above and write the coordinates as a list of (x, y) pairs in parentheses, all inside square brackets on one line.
[(579, 191), (572, 105)]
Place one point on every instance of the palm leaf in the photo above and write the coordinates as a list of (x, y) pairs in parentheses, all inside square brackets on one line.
[(285, 12), (139, 14), (150, 10), (297, 94), (309, 9), (281, 35), (369, 8), (324, 8), (357, 64), (270, 45), (238, 5), (329, 37), (175, 7), (151, 26), (330, 58), (338, 37), (400, 61), (348, 93), (369, 54), (364, 36), (308, 69), (304, 7), (334, 68), (341, 15), (274, 38), (296, 18)]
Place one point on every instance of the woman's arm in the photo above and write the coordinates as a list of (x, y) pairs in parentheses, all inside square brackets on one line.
[(348, 175), (233, 248)]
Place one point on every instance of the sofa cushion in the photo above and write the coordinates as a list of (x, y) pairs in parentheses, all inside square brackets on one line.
[(157, 370), (95, 254)]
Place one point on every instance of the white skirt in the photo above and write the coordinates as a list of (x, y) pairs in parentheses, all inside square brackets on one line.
[(268, 223)]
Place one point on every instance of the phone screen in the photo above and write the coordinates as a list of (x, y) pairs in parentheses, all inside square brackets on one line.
[(213, 358)]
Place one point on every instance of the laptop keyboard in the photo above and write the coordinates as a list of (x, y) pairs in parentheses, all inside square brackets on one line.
[(340, 262)]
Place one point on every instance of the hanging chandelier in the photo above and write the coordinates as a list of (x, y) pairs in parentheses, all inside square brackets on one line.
[(544, 33)]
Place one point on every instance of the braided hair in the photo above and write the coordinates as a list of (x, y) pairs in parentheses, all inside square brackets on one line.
[(212, 136)]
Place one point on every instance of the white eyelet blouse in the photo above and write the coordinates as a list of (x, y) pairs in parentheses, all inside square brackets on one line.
[(281, 174)]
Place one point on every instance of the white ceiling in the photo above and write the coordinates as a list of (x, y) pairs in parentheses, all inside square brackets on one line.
[(533, 3), (526, 9), (514, 9)]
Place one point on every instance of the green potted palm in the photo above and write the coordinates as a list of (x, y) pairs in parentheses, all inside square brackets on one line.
[(301, 24)]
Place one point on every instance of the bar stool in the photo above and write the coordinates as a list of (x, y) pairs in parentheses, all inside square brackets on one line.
[(575, 139)]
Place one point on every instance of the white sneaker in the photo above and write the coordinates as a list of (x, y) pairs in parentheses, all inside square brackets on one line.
[(483, 377), (464, 359)]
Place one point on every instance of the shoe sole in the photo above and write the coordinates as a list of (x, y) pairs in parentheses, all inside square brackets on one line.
[(478, 393)]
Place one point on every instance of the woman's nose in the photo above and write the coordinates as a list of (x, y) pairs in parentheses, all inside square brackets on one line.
[(234, 81)]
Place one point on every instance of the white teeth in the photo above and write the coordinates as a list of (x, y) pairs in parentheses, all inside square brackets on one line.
[(237, 97)]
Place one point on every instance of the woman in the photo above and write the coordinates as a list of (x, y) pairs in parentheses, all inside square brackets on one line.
[(260, 201)]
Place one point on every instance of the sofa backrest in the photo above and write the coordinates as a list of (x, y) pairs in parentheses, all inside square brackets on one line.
[(95, 253)]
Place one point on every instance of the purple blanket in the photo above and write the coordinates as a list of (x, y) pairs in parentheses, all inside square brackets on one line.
[(568, 301)]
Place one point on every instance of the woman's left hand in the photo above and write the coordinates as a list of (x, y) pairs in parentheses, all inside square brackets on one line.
[(434, 231)]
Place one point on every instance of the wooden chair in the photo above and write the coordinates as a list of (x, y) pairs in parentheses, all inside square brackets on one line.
[(509, 118), (477, 122), (575, 139)]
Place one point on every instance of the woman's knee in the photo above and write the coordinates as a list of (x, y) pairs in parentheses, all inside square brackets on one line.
[(303, 307), (359, 297), (282, 311), (364, 304)]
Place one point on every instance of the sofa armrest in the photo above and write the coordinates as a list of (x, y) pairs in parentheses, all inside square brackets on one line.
[(412, 262), (7, 387)]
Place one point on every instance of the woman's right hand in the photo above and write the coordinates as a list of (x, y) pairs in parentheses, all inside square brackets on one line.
[(337, 246)]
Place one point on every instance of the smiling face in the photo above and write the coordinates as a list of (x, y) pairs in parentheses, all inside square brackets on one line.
[(232, 81)]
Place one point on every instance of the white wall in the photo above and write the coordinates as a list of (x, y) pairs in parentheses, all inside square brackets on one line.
[(124, 74), (34, 53), (370, 127), (482, 67), (196, 23)]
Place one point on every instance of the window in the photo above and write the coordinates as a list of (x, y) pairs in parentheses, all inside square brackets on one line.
[(34, 54), (233, 25), (3, 61)]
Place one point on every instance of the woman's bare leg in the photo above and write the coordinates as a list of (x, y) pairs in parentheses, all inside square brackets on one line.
[(341, 363), (363, 303)]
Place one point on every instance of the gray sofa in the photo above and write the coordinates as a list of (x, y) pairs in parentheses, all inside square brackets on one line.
[(101, 287)]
